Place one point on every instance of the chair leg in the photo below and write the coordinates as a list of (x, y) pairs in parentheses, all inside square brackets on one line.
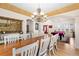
[(49, 53), (53, 52), (55, 47)]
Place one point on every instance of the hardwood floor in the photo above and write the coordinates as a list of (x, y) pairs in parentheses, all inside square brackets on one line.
[(66, 49)]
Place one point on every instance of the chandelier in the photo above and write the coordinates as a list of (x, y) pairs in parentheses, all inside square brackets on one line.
[(39, 16)]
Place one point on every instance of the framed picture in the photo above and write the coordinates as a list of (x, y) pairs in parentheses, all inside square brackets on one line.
[(50, 26), (10, 25), (45, 29), (36, 26)]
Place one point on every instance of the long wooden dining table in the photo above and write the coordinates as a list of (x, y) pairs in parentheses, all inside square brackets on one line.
[(6, 50)]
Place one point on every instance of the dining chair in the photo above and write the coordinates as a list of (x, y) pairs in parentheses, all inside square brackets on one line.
[(24, 36), (28, 50), (56, 37), (10, 39), (43, 50), (53, 44)]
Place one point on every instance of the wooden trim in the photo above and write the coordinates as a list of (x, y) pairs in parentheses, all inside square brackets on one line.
[(13, 8), (68, 8)]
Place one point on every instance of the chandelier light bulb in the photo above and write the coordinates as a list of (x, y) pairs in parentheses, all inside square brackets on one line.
[(45, 16), (35, 13), (41, 13), (32, 16)]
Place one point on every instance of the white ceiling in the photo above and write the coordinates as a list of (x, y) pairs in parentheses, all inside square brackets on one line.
[(65, 17), (46, 7)]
